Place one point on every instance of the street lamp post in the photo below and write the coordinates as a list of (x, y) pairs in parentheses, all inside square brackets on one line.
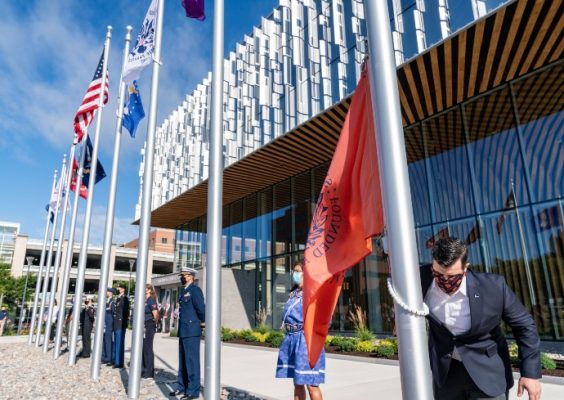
[(29, 261), (131, 264)]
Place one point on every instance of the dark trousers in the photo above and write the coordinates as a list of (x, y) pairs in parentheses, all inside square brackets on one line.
[(460, 386), (108, 348), (119, 347), (189, 365), (86, 341), (148, 355)]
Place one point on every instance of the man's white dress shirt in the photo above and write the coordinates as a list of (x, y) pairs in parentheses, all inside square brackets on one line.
[(453, 311)]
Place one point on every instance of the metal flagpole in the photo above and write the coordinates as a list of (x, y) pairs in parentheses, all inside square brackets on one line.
[(212, 363), (41, 263), (50, 254), (68, 255), (20, 323), (59, 251), (416, 378), (88, 214), (108, 230), (145, 221)]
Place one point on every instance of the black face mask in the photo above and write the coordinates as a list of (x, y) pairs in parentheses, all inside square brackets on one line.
[(183, 280)]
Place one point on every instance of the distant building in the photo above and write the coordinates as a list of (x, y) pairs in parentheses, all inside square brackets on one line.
[(120, 268), (8, 233), (160, 240)]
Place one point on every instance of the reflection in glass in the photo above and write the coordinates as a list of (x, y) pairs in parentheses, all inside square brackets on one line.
[(448, 161)]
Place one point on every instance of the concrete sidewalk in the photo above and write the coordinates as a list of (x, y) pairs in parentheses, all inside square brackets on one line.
[(252, 370)]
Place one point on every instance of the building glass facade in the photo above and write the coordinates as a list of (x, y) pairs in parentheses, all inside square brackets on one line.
[(8, 234), (488, 171)]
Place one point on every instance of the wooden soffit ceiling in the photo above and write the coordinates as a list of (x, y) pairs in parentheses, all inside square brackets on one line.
[(518, 38)]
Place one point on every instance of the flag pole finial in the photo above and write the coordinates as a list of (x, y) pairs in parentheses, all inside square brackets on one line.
[(109, 32)]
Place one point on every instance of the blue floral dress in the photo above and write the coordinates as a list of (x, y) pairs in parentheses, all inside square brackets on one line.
[(292, 358)]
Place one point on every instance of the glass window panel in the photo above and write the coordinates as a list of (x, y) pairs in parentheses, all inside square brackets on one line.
[(417, 175), (448, 167), (282, 286), (460, 13), (226, 237), (409, 39), (494, 149), (539, 104), (550, 227), (250, 227), (423, 235), (380, 306), (513, 253), (282, 217), (303, 206), (432, 22), (264, 223), (236, 231)]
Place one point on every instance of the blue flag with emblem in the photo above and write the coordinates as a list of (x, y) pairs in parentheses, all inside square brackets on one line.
[(100, 173), (133, 111)]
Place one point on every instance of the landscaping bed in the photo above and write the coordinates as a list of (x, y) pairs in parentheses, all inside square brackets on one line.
[(364, 344)]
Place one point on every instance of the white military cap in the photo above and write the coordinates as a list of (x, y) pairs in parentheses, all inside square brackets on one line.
[(186, 270)]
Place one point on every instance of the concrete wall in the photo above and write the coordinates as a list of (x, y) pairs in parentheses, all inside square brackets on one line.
[(18, 261), (237, 297)]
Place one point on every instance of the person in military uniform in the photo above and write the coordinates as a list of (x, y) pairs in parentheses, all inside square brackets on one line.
[(121, 319), (86, 324), (108, 347), (191, 320), (151, 317)]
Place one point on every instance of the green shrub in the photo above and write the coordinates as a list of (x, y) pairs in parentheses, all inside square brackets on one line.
[(262, 328), (547, 362), (365, 346), (275, 338), (384, 351), (364, 334), (227, 334), (393, 343), (242, 334), (260, 337), (344, 344), (173, 333)]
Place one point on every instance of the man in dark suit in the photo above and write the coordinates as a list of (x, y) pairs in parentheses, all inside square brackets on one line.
[(468, 351), (191, 319), (86, 324), (121, 319)]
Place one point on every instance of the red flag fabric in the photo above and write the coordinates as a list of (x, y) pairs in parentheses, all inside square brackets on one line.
[(347, 215), (83, 189)]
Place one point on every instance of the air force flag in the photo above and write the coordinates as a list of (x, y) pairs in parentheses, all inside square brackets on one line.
[(140, 57), (133, 111)]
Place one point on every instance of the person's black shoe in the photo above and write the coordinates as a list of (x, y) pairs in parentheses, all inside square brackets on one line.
[(118, 366), (190, 397), (109, 364), (175, 393)]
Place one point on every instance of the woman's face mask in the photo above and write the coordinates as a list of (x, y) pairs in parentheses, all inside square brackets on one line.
[(297, 277)]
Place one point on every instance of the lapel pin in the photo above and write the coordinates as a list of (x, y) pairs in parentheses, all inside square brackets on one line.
[(477, 296)]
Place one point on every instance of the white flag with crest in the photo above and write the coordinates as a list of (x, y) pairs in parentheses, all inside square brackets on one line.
[(142, 54)]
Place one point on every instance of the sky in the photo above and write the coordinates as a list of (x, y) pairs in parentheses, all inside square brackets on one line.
[(48, 54)]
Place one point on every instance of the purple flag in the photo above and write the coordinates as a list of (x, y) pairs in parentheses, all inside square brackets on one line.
[(194, 9)]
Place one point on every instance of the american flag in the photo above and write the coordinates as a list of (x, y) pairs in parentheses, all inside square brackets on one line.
[(87, 109)]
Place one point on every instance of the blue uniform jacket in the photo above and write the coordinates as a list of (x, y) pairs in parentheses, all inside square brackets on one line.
[(192, 311), (109, 316)]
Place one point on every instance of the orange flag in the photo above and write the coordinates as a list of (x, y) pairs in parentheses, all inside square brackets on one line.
[(348, 214)]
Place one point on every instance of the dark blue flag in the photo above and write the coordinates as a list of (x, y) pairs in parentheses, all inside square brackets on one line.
[(51, 213), (100, 173), (133, 111)]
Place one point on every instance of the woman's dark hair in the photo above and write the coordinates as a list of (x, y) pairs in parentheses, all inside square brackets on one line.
[(446, 251), (295, 286)]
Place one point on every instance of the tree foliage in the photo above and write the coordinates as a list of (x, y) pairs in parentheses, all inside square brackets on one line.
[(12, 288)]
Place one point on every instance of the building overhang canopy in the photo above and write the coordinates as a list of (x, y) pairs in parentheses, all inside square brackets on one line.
[(515, 40)]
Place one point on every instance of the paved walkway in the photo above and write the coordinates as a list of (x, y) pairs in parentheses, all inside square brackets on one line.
[(251, 369)]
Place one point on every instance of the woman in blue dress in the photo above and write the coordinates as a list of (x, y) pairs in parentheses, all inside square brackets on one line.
[(292, 358)]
